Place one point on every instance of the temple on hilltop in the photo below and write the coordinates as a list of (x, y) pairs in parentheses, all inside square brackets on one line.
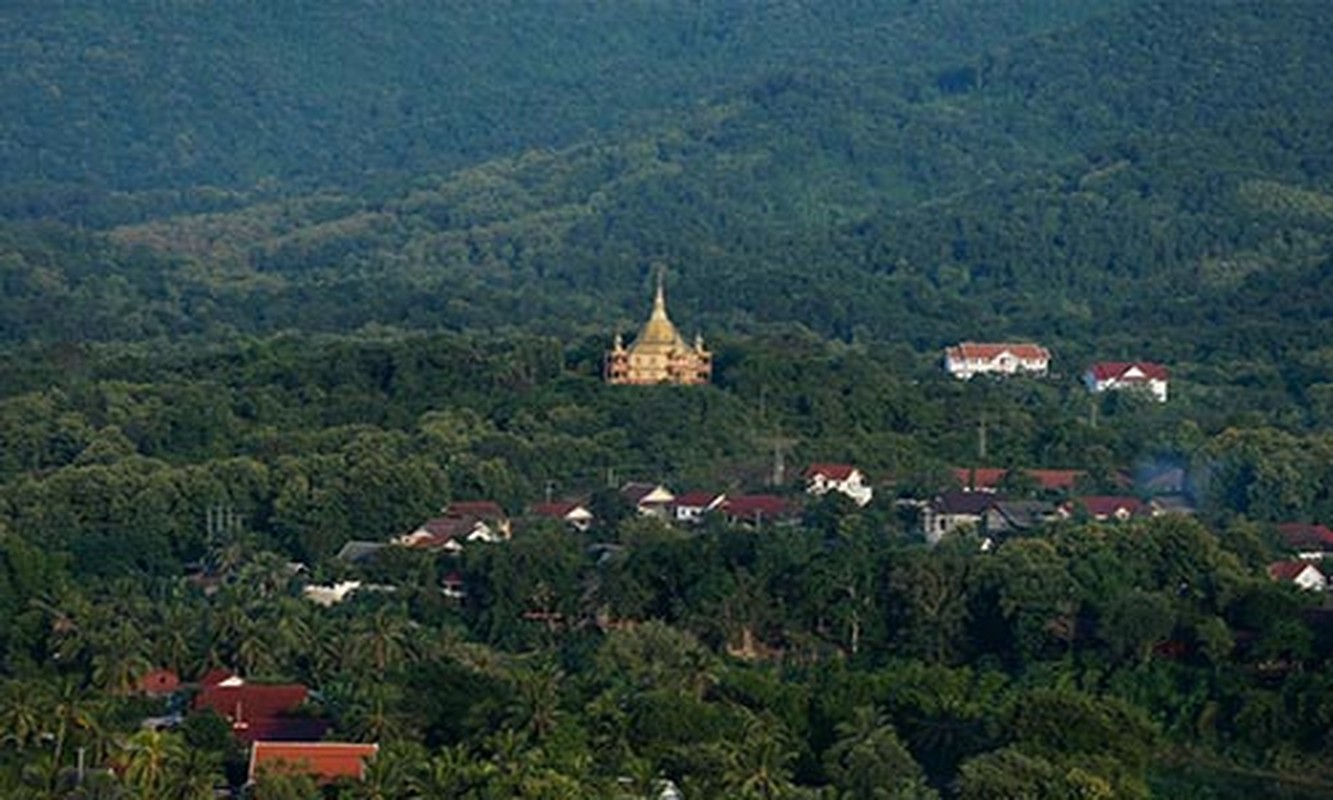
[(658, 354)]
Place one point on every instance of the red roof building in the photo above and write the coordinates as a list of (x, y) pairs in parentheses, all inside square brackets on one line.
[(692, 506), (1302, 574), (1309, 539), (325, 761), (820, 479), (258, 711), (1106, 508), (1006, 358), (1115, 375), (576, 515), (159, 683), (756, 509), (989, 479)]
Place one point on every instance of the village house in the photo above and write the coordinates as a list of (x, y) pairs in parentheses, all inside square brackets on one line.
[(326, 762), (256, 711), (461, 523), (1106, 508), (1302, 574), (757, 510), (990, 479), (575, 515), (648, 499), (1310, 542), (691, 507), (1018, 516), (1144, 376), (955, 511), (967, 359), (659, 353), (820, 479)]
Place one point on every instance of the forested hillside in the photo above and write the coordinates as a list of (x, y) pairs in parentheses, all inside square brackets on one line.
[(169, 95), (1076, 184)]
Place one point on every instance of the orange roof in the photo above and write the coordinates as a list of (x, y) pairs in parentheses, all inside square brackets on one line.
[(1053, 479), (985, 351), (989, 478), (326, 761)]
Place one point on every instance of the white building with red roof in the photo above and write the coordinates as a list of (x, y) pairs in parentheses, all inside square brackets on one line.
[(1002, 358), (1107, 376), (1302, 574), (574, 514), (820, 479), (691, 507)]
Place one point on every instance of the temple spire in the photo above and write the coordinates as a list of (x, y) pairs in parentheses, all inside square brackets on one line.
[(659, 299)]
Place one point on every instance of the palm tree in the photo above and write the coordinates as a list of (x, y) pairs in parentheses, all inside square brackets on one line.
[(149, 758), (120, 659), (759, 765), (21, 714)]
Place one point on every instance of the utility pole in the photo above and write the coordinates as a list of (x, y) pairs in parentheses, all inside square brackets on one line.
[(981, 439), (780, 445)]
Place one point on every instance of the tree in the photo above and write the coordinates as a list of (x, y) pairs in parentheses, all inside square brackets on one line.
[(869, 761)]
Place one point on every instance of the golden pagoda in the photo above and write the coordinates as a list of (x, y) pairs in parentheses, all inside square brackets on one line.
[(659, 354)]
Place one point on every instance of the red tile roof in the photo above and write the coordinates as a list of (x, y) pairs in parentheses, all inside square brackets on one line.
[(990, 478), (159, 682), (250, 701), (1288, 570), (557, 510), (1116, 371), (326, 761), (835, 472), (1056, 479), (986, 351), (1305, 536), (979, 477), (697, 499), (1104, 506), (756, 507)]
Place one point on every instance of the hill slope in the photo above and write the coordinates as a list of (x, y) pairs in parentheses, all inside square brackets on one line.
[(1115, 186), (178, 93)]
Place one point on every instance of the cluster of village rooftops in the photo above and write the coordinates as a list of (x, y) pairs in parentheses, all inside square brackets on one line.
[(281, 733), (660, 355)]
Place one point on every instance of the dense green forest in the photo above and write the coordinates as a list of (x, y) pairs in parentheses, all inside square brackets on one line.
[(323, 269)]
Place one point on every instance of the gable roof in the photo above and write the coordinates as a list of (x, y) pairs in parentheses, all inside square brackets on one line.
[(833, 472), (1025, 514), (989, 351), (1128, 371), (251, 701), (1305, 536), (560, 509), (1056, 479), (990, 478), (969, 503), (700, 499), (159, 682), (979, 478), (756, 506), (1105, 506), (637, 492), (326, 761), (358, 550), (1289, 570)]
